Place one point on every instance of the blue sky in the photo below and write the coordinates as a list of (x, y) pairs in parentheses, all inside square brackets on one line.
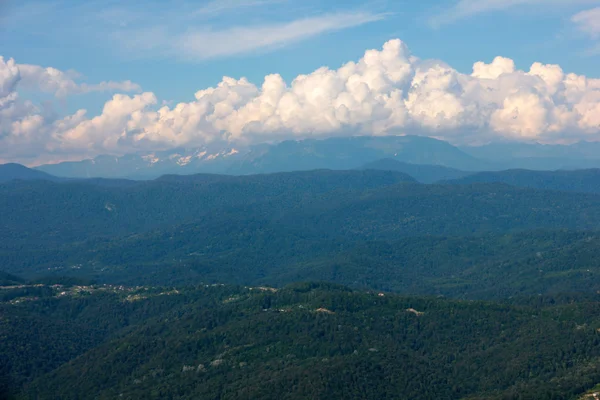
[(107, 40), (175, 48)]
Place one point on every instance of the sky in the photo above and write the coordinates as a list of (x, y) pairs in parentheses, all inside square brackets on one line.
[(79, 79)]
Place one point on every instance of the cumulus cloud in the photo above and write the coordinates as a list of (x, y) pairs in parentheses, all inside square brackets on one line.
[(26, 132), (388, 91)]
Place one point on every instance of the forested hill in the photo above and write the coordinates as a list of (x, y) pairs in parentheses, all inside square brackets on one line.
[(422, 172), (303, 341), (360, 204), (493, 266), (47, 211), (367, 229), (585, 180)]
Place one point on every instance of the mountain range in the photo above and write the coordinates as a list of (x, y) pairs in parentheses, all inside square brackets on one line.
[(332, 153)]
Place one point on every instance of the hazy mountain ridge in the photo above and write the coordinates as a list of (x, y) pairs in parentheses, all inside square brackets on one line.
[(146, 165), (309, 154), (421, 172), (12, 171), (332, 153), (516, 155), (584, 181)]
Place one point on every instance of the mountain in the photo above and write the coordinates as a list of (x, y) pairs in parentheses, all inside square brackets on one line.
[(147, 165), (353, 152), (422, 173), (332, 153), (9, 172), (307, 340), (516, 155), (287, 156), (585, 181), (35, 212)]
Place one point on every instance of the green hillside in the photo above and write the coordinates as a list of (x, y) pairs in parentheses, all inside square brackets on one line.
[(494, 266), (303, 341)]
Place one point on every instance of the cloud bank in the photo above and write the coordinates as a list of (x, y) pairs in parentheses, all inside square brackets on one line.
[(388, 91)]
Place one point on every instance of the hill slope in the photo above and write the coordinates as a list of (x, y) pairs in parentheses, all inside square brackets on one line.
[(585, 181), (474, 267), (363, 228), (355, 204), (47, 212), (324, 341), (9, 172), (422, 173)]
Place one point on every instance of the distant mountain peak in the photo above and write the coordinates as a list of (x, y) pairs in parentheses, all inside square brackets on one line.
[(13, 171)]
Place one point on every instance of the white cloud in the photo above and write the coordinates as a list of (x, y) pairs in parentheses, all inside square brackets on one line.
[(499, 66), (217, 7), (25, 129), (184, 29), (9, 77), (202, 44), (468, 8), (388, 91), (62, 84), (588, 21)]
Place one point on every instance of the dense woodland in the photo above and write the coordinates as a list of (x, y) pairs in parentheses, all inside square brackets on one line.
[(479, 287), (302, 341), (494, 266)]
